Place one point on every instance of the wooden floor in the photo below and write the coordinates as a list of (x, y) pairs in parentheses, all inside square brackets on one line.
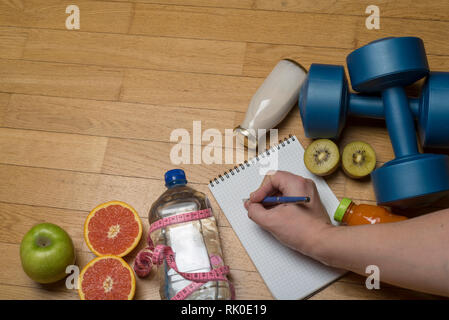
[(86, 116)]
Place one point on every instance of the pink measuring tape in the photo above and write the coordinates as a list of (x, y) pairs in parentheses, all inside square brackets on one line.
[(156, 255)]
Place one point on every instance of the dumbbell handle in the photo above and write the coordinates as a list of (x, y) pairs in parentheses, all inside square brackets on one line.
[(372, 107), (400, 124)]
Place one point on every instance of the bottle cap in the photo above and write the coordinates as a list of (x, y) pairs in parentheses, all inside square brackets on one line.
[(341, 210), (174, 177)]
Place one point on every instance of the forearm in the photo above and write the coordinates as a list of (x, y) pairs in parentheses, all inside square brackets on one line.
[(413, 254)]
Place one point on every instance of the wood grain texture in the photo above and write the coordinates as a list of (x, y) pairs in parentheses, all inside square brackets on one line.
[(149, 159), (354, 291), (12, 42), (135, 51), (69, 151), (261, 58), (4, 102), (439, 10), (110, 119), (245, 4), (205, 91), (398, 9), (244, 25), (82, 190), (94, 15), (55, 79), (86, 116)]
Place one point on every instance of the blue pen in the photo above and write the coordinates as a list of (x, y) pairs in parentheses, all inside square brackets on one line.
[(279, 200)]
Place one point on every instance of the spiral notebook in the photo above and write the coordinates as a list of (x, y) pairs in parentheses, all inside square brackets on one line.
[(287, 273)]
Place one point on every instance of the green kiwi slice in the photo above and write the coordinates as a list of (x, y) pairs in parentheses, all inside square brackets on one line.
[(322, 157), (358, 159)]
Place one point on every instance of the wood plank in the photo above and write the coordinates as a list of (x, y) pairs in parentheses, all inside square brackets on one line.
[(17, 219), (73, 190), (83, 191), (247, 25), (12, 42), (204, 91), (438, 63), (244, 25), (52, 150), (244, 4), (399, 8), (94, 15), (435, 42), (57, 79), (4, 102), (112, 119), (152, 159), (135, 51), (15, 292), (351, 291), (261, 58)]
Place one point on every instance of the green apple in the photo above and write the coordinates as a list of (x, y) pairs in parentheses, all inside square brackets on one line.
[(46, 250)]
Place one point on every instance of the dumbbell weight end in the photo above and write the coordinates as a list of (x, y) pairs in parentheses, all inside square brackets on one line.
[(413, 181)]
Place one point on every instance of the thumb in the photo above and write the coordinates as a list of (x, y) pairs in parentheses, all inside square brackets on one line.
[(257, 213)]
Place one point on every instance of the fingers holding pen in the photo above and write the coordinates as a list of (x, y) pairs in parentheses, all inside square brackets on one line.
[(280, 183)]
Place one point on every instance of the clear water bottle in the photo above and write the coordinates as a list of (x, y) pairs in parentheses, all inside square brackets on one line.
[(193, 242)]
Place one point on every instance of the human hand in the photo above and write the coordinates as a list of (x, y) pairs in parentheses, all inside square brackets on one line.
[(300, 227)]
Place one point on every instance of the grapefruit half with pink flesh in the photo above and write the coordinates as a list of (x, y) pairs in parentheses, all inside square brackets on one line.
[(112, 228), (107, 278)]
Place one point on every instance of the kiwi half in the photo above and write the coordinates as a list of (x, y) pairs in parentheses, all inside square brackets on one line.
[(322, 157), (358, 159)]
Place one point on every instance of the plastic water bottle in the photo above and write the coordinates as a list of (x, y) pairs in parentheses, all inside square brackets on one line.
[(193, 242)]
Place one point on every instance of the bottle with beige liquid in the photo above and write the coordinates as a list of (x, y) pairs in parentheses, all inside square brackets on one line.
[(272, 101)]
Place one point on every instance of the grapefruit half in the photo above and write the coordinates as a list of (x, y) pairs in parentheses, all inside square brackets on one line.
[(107, 278), (112, 228)]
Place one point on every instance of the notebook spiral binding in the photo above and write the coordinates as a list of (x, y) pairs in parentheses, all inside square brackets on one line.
[(241, 166)]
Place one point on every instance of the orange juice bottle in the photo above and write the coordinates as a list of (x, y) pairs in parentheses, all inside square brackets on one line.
[(352, 214)]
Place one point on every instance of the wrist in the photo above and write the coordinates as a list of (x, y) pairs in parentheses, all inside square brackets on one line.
[(321, 246)]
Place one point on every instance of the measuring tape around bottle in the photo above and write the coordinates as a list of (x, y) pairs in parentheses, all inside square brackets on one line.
[(156, 255)]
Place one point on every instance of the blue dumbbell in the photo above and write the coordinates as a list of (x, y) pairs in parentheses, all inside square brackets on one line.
[(386, 66), (325, 92)]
